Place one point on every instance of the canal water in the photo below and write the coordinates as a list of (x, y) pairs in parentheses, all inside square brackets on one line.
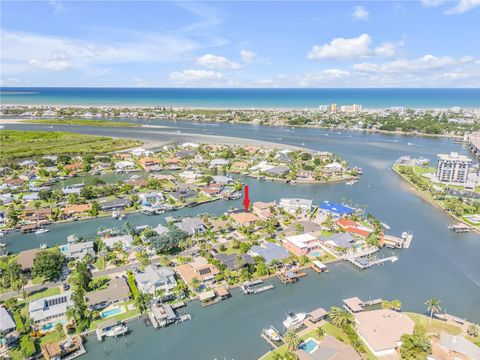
[(439, 263)]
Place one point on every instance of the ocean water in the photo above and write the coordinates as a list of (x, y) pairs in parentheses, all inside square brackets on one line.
[(242, 98)]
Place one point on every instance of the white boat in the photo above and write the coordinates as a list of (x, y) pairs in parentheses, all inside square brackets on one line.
[(122, 216), (117, 330), (272, 333), (351, 182), (43, 246), (115, 215), (294, 320), (41, 231), (386, 226)]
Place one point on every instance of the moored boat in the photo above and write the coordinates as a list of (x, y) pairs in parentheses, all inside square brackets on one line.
[(294, 320), (41, 231)]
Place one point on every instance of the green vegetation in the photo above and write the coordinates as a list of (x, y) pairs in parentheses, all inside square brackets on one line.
[(82, 122), (44, 293), (18, 144), (415, 346), (434, 325), (48, 264)]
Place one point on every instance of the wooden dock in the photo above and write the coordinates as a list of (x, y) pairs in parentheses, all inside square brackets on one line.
[(369, 263), (408, 241)]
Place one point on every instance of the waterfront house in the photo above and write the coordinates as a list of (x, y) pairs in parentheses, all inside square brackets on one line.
[(269, 252), (353, 304), (139, 152), (456, 347), (211, 190), (329, 348), (303, 244), (354, 228), (339, 240), (26, 198), (305, 175), (219, 225), (335, 209), (73, 189), (230, 261), (151, 199), (125, 240), (155, 278), (73, 168), (25, 259), (278, 171), (381, 330), (184, 154), (160, 229), (183, 194), (115, 204), (123, 165), (200, 269), (304, 226), (191, 226), (27, 163), (292, 205), (222, 180), (77, 209), (148, 163), (49, 309), (117, 291), (317, 314), (244, 218), (70, 348), (78, 250), (6, 199), (137, 181)]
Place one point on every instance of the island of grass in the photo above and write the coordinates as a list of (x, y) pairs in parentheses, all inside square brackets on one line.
[(29, 144), (458, 203), (82, 122)]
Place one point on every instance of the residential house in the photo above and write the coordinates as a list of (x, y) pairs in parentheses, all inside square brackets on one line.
[(244, 218), (139, 152), (117, 291), (7, 324), (219, 163), (381, 330), (329, 348), (49, 309), (292, 205), (231, 261), (199, 269), (263, 209), (278, 171), (123, 165), (453, 347), (211, 190), (303, 244), (77, 209), (338, 210), (222, 180), (269, 252), (354, 228), (339, 240), (115, 204), (25, 259), (125, 240), (78, 250), (183, 194), (160, 229), (191, 226), (155, 278), (151, 199)]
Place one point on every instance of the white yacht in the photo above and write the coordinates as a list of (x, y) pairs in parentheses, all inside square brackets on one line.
[(294, 320), (117, 330), (272, 333), (41, 231)]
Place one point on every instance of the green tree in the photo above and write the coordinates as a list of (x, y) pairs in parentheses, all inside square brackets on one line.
[(96, 208), (195, 283), (292, 340), (320, 332), (433, 306), (81, 276), (48, 264), (340, 317), (415, 346)]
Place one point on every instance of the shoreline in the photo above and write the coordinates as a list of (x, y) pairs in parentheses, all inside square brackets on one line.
[(431, 201), (13, 121)]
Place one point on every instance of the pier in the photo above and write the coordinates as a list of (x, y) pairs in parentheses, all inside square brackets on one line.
[(460, 228), (249, 287), (363, 263), (407, 240)]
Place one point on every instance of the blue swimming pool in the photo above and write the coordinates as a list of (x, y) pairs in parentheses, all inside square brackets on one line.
[(309, 346), (316, 253), (50, 326), (110, 312)]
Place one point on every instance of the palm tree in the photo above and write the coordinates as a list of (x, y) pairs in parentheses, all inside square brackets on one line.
[(292, 339), (160, 294), (340, 317), (195, 283), (238, 262), (320, 332), (433, 306)]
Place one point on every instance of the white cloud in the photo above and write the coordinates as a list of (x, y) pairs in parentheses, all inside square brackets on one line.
[(139, 82), (247, 55), (56, 64), (360, 13), (341, 48), (422, 64), (57, 6), (386, 49), (336, 73), (216, 62), (462, 7), (432, 3), (192, 75)]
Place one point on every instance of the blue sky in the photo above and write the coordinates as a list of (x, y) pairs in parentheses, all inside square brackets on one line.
[(430, 43)]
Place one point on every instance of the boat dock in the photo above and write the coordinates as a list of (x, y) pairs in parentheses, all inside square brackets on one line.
[(407, 240), (363, 263), (273, 343), (162, 315), (460, 228), (250, 287)]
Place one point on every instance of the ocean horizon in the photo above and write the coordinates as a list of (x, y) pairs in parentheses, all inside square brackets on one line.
[(279, 98)]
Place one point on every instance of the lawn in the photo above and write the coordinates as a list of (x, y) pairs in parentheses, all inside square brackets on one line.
[(434, 325), (330, 329), (23, 144), (100, 263), (82, 122), (53, 336), (44, 293), (120, 317)]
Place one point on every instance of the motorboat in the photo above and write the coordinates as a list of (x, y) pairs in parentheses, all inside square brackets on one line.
[(115, 215), (352, 182), (386, 226), (43, 246), (41, 231), (272, 333), (294, 320), (117, 330)]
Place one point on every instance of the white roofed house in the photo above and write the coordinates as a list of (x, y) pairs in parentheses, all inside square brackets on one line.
[(222, 180), (121, 165), (155, 278), (151, 199), (139, 152), (78, 250), (6, 322), (219, 163), (50, 309), (191, 226), (293, 204), (125, 240)]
